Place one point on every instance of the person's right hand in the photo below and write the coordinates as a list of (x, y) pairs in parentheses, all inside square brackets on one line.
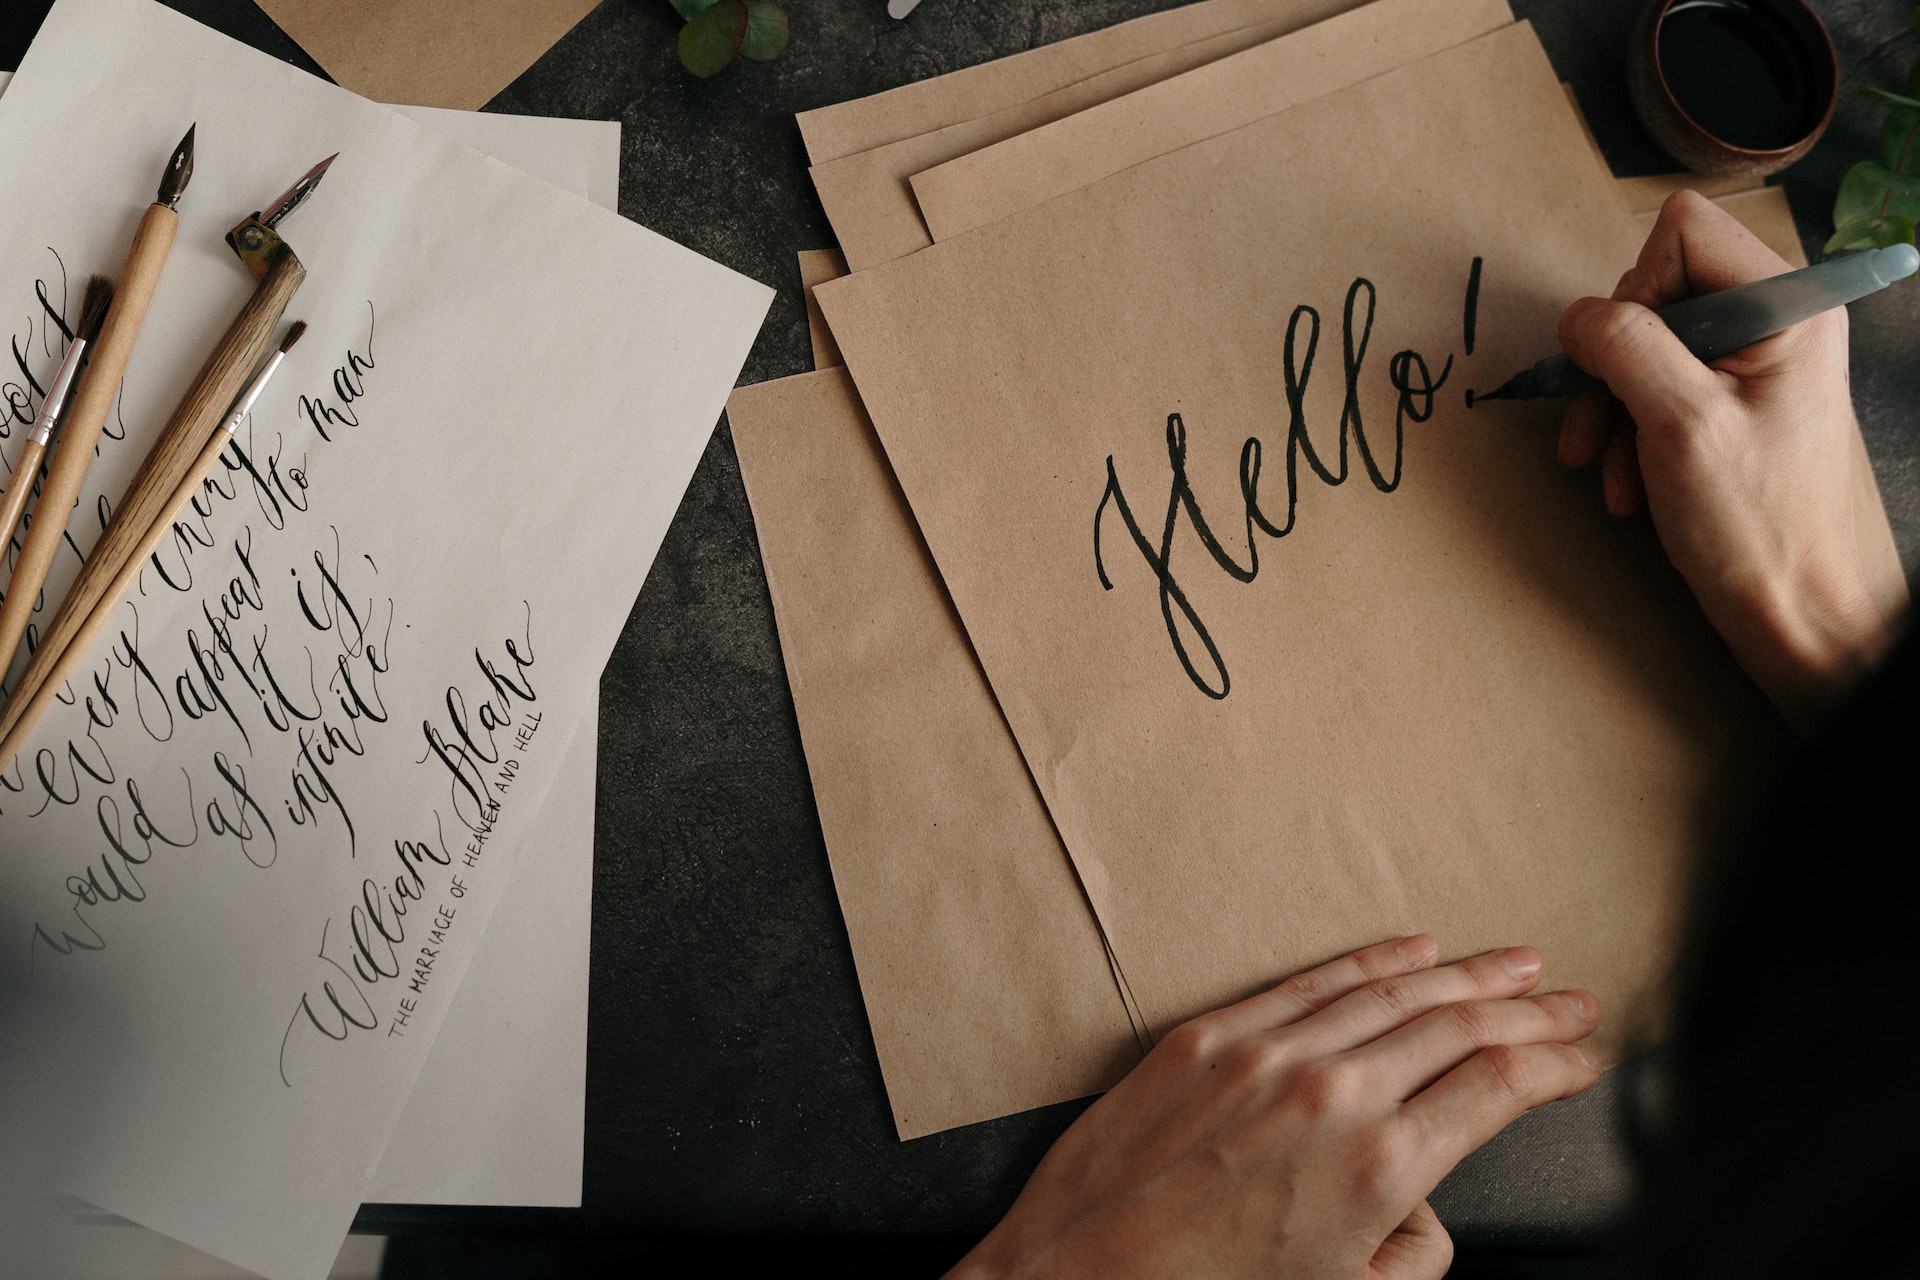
[(1745, 466)]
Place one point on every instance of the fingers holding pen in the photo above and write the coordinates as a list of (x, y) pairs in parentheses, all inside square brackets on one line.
[(1590, 420), (1642, 361), (1597, 428), (1659, 386), (1624, 488), (1696, 247)]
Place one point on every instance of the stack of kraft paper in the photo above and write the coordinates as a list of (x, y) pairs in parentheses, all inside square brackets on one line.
[(1163, 616)]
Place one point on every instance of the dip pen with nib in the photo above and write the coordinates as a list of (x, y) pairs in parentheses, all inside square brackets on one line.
[(199, 414), (107, 361)]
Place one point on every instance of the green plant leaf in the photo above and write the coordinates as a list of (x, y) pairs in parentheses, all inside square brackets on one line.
[(1872, 190), (710, 41), (1886, 98), (1900, 140), (691, 9), (1871, 233), (1913, 79), (768, 31), (1916, 18)]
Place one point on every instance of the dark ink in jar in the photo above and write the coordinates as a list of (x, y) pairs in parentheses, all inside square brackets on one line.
[(1736, 68)]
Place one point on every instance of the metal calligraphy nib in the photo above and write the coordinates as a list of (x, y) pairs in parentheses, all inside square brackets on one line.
[(254, 237), (296, 195), (179, 171)]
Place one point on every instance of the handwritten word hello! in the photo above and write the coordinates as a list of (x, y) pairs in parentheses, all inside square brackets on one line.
[(1415, 385)]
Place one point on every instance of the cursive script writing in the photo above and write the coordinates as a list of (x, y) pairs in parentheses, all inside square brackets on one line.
[(286, 669), (475, 749), (1414, 384)]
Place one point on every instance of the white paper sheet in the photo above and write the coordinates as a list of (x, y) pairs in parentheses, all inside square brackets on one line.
[(458, 482), (513, 1050), (583, 156), (499, 1112)]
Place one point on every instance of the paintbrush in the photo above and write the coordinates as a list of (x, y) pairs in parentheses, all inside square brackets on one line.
[(67, 469), (26, 715), (278, 269), (93, 310)]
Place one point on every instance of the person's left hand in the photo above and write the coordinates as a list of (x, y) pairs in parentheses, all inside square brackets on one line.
[(1297, 1133)]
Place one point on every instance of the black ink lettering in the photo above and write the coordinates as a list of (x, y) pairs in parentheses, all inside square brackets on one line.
[(245, 811), (1415, 386), (342, 1022), (1470, 318)]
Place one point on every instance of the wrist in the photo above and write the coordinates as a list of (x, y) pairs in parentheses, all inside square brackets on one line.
[(1010, 1253), (974, 1267), (993, 1258), (1816, 633)]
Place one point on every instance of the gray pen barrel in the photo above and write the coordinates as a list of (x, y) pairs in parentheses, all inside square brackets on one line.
[(1717, 324)]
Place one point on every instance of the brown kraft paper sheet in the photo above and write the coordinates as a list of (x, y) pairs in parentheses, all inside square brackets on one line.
[(986, 981), (915, 577), (866, 196), (427, 53), (817, 266), (861, 124), (1464, 698), (1052, 159)]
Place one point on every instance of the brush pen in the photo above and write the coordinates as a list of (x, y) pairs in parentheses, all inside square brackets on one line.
[(93, 310), (67, 470), (69, 658), (1718, 324)]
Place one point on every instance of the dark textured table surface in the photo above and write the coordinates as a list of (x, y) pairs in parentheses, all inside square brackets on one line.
[(731, 1083)]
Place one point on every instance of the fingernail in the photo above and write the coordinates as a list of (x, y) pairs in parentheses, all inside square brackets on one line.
[(1583, 1003), (1586, 1057), (1418, 951), (1520, 962)]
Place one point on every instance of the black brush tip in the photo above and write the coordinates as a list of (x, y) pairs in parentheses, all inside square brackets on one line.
[(293, 335), (179, 171), (1519, 387), (93, 308)]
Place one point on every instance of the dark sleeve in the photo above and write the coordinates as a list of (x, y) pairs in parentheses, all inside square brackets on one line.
[(1778, 1133)]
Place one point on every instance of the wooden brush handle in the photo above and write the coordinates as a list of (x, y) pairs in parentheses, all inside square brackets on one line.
[(201, 410), (85, 418), (32, 707), (15, 501)]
